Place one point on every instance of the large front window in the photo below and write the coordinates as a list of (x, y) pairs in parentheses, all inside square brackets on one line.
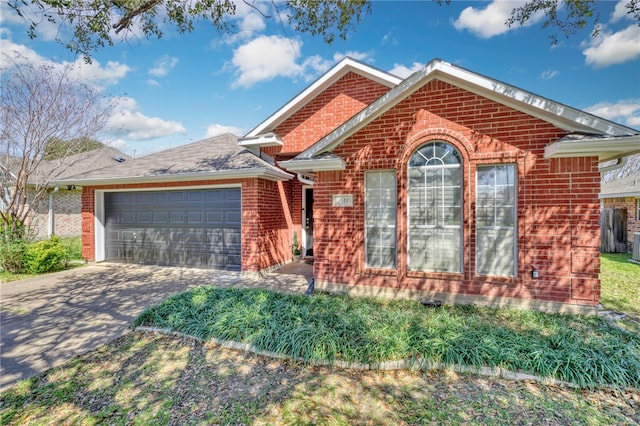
[(435, 208), (380, 219), (496, 220)]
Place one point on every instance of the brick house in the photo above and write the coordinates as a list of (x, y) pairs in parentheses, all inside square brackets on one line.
[(624, 194), (60, 211), (447, 185)]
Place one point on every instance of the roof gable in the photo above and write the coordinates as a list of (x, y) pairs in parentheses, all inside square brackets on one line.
[(328, 79), (561, 116)]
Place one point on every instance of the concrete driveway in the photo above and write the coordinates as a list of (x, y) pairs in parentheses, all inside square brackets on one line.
[(47, 320)]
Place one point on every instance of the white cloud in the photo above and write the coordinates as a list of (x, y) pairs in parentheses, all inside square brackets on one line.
[(45, 30), (267, 57), (403, 71), (613, 48), (358, 56), (620, 11), (626, 111), (549, 74), (152, 82), (247, 21), (219, 129), (94, 73), (490, 21), (163, 66), (119, 144), (97, 74), (129, 123)]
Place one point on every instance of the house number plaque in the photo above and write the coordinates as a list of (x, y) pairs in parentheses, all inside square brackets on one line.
[(342, 200)]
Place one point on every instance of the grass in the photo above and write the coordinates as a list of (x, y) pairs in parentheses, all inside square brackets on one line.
[(146, 378), (620, 283), (588, 351)]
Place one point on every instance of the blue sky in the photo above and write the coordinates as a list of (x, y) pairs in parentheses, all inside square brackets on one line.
[(183, 88)]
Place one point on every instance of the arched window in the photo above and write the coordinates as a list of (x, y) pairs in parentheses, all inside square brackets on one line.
[(435, 208)]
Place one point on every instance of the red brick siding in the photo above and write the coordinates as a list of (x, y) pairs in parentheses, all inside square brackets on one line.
[(326, 112), (266, 235), (628, 203), (558, 230)]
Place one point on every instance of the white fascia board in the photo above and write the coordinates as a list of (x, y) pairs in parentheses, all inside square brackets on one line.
[(261, 141), (604, 149), (264, 173), (559, 115), (329, 78), (314, 165)]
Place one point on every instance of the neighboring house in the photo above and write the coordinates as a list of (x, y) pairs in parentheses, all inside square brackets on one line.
[(624, 194), (447, 185), (60, 212)]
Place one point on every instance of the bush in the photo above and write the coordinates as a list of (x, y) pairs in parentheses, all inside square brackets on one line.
[(45, 256), (12, 254), (73, 245)]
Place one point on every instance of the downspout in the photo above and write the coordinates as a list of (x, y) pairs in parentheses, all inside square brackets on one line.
[(50, 227), (304, 180), (619, 163)]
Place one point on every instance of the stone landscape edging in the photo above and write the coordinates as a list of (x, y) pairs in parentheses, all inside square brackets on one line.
[(404, 364)]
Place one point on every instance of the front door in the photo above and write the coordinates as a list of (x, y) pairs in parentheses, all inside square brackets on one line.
[(307, 221)]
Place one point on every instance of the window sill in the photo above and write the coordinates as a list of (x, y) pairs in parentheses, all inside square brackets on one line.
[(383, 272), (436, 275), (495, 279)]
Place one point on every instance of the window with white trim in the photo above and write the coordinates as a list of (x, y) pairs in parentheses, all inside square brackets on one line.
[(434, 206), (496, 219), (380, 202), (638, 208)]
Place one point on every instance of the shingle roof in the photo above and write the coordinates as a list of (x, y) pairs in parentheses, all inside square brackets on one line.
[(213, 158), (71, 165)]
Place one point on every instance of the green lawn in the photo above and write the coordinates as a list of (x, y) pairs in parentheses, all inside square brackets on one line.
[(620, 283), (148, 378)]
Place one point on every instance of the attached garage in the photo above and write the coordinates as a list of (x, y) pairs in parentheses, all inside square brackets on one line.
[(196, 227)]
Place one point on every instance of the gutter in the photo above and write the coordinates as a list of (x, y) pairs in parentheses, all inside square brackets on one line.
[(264, 173)]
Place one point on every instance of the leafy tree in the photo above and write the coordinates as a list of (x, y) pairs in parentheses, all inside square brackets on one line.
[(58, 148), (96, 23), (566, 16), (41, 106)]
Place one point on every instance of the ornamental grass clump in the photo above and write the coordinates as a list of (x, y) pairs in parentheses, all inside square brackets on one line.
[(584, 350)]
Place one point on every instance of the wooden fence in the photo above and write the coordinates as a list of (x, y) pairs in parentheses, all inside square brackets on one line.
[(613, 231)]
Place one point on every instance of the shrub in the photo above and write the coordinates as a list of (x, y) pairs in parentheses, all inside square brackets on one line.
[(12, 254), (45, 256), (73, 245)]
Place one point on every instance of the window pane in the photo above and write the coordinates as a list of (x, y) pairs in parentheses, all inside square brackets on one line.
[(496, 252), (380, 219), (496, 218), (435, 208)]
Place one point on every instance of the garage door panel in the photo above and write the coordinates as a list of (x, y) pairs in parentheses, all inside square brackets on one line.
[(186, 227)]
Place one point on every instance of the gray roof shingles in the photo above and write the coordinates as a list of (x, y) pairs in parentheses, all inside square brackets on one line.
[(216, 154)]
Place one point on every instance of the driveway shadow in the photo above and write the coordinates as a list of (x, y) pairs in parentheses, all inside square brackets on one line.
[(50, 319)]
